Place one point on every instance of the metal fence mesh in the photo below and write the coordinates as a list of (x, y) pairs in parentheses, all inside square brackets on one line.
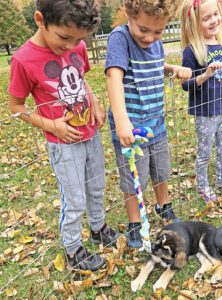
[(30, 203)]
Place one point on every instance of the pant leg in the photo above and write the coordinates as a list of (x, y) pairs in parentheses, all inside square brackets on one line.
[(205, 131), (218, 139), (68, 162), (95, 183)]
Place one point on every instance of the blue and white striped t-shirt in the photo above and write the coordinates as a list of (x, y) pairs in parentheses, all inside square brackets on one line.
[(143, 81)]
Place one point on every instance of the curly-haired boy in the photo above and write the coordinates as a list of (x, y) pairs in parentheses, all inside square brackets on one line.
[(135, 70)]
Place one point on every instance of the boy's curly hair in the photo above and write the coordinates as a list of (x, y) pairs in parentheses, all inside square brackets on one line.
[(83, 13), (158, 8)]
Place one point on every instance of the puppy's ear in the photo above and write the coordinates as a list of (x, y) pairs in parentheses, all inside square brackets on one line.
[(179, 261)]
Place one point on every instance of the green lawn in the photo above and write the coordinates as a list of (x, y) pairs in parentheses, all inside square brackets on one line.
[(4, 57), (29, 208)]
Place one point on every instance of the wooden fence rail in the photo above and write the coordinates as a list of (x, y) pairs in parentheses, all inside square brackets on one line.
[(99, 43)]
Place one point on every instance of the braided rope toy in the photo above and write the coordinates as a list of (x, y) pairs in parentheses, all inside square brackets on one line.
[(142, 136)]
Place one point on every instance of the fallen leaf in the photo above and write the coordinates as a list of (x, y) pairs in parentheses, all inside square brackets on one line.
[(58, 286), (11, 292), (204, 291), (116, 291), (130, 270), (59, 262), (31, 272), (103, 284), (101, 297), (188, 294), (25, 239)]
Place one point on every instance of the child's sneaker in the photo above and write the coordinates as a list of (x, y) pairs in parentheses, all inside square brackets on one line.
[(166, 212), (208, 195), (134, 239), (85, 260), (105, 235)]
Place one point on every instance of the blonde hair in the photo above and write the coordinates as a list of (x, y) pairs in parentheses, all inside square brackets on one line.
[(191, 32), (158, 8)]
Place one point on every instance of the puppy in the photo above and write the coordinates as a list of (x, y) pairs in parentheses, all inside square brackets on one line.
[(175, 243)]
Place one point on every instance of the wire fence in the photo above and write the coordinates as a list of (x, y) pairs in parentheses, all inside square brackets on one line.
[(33, 264)]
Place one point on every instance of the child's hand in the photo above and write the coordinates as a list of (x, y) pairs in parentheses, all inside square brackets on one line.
[(98, 114), (182, 73), (124, 132), (212, 68), (64, 132)]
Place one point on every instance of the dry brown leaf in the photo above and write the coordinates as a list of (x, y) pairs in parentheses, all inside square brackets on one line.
[(8, 252), (103, 284), (58, 286), (111, 267), (87, 283), (116, 291), (18, 249), (140, 298), (204, 290), (59, 262), (130, 270), (166, 298), (121, 227), (121, 245), (31, 272), (190, 283), (46, 272), (101, 297), (2, 259), (158, 293), (188, 294)]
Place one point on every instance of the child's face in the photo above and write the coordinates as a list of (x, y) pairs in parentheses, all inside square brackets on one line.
[(62, 38), (210, 19), (146, 29)]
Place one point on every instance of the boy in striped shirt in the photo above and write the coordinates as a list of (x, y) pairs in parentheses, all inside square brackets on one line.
[(135, 70)]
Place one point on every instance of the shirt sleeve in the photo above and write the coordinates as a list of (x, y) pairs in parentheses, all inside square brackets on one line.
[(117, 52), (20, 85), (189, 61), (85, 57)]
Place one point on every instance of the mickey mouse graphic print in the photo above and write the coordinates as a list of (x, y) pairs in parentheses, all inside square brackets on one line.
[(56, 83)]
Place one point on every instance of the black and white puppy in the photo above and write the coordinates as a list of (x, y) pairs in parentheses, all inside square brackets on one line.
[(175, 243)]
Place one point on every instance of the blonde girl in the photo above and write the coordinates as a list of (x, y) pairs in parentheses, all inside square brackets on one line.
[(201, 34)]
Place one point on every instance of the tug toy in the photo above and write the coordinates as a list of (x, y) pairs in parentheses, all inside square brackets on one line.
[(141, 136)]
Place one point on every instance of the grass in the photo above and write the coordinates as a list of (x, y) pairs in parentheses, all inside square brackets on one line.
[(29, 195), (4, 57)]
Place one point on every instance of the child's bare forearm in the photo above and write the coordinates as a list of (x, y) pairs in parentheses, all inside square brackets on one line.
[(116, 94)]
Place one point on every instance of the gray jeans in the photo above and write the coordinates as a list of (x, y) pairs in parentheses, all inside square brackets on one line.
[(79, 169), (155, 164), (208, 129)]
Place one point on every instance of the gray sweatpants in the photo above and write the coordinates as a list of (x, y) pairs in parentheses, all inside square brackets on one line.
[(208, 130), (79, 169)]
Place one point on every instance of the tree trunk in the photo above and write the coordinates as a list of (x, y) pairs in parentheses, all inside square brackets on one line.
[(7, 47)]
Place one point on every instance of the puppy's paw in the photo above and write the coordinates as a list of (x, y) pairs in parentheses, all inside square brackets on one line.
[(159, 285), (198, 276), (136, 285), (217, 277)]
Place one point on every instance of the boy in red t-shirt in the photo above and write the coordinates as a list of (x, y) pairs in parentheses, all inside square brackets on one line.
[(51, 66)]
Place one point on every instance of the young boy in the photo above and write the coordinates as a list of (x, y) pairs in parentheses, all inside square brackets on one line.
[(51, 66), (135, 72)]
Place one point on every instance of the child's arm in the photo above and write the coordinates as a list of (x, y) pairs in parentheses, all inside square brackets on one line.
[(117, 100), (210, 71), (178, 72), (98, 114), (57, 127)]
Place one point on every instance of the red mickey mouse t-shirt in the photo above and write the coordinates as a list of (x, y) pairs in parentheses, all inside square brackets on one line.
[(56, 83)]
